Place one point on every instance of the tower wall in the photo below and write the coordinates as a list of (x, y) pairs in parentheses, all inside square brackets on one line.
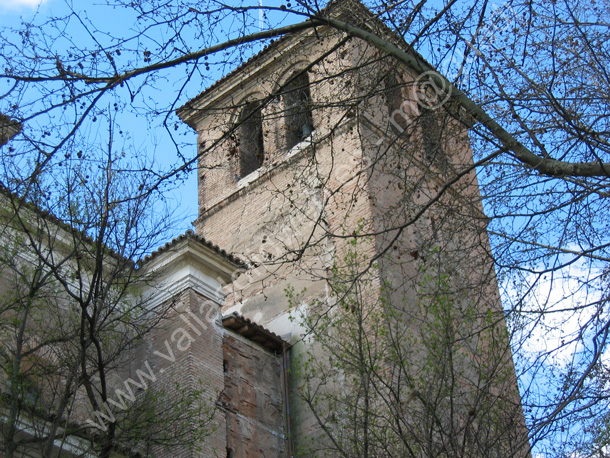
[(382, 175), (278, 216)]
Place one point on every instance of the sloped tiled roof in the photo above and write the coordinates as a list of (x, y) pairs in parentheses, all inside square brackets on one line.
[(254, 332), (189, 234), (193, 236), (28, 205)]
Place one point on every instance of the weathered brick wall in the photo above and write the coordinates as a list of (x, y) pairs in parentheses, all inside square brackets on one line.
[(431, 227), (296, 196), (241, 381), (185, 353), (253, 398), (291, 217)]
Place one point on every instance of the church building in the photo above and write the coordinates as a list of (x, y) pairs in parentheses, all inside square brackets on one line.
[(339, 209)]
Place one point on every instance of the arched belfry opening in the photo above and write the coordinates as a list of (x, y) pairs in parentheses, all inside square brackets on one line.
[(394, 100), (297, 106), (432, 130), (250, 138)]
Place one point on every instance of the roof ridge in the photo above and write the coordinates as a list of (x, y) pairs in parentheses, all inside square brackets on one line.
[(254, 332), (190, 234)]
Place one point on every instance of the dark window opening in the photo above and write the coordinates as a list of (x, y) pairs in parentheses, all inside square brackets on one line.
[(431, 133), (250, 139), (23, 390), (230, 453), (394, 101), (297, 103)]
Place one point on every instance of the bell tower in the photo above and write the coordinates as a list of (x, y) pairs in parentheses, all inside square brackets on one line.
[(325, 163), (318, 138)]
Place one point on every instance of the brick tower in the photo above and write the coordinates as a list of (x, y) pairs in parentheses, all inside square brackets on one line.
[(320, 147)]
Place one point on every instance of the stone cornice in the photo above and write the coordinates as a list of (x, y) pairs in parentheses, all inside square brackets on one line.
[(188, 263)]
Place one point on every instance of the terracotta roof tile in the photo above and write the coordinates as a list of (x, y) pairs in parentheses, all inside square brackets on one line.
[(192, 235), (254, 332)]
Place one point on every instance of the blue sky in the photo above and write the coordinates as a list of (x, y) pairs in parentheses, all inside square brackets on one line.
[(138, 136), (141, 133), (20, 5)]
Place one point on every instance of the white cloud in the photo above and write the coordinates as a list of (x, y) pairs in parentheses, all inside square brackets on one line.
[(555, 312), (20, 4)]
